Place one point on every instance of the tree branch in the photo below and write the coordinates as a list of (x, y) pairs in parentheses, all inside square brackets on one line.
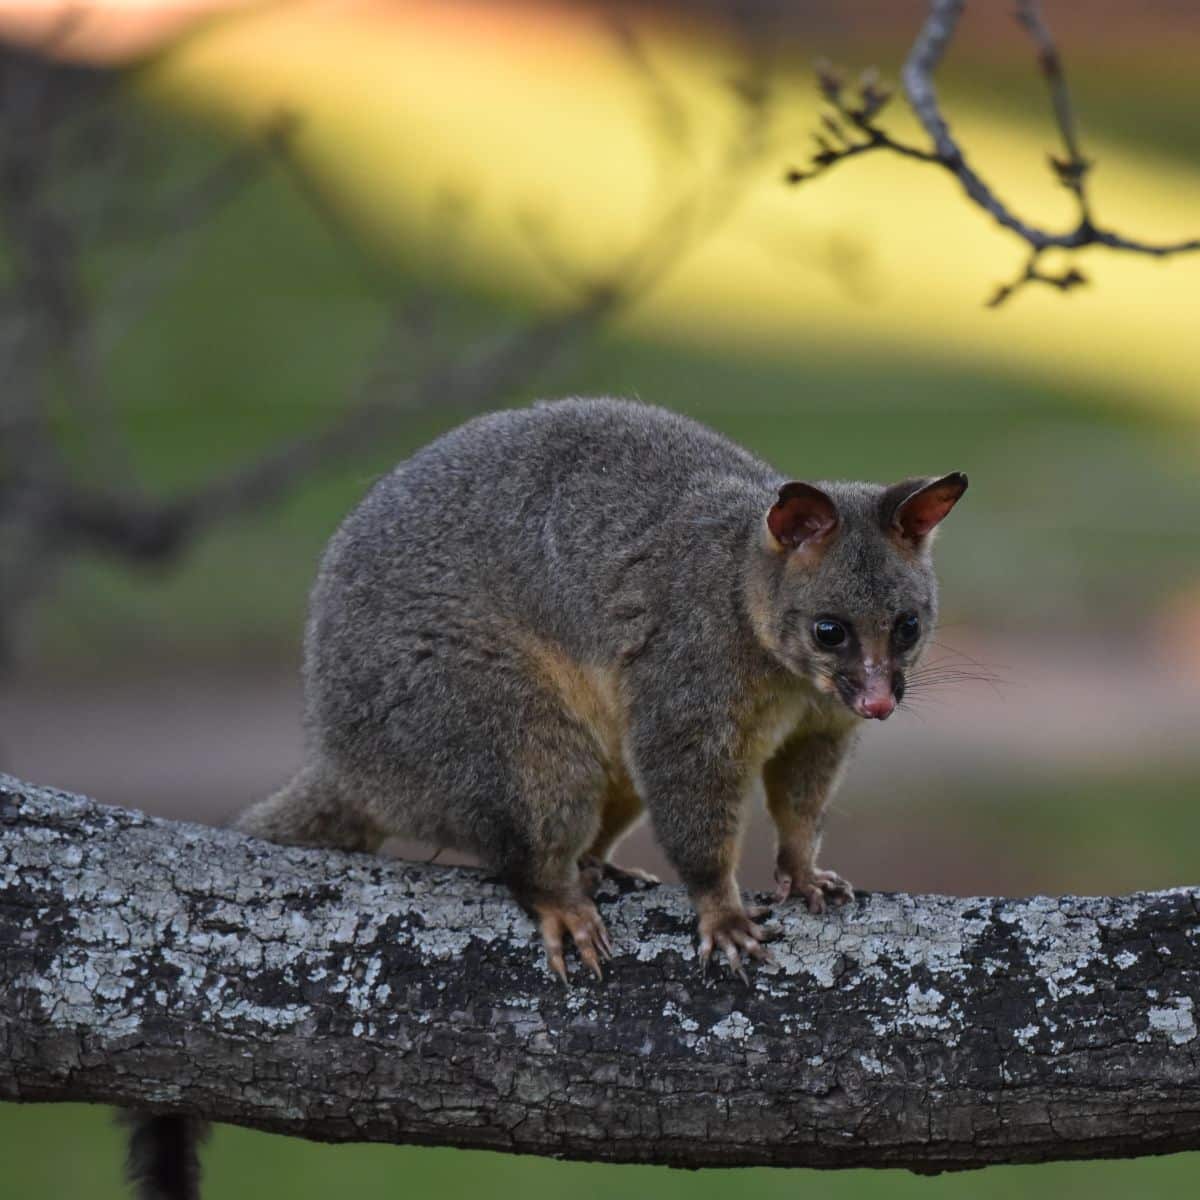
[(343, 998), (923, 60), (144, 530), (50, 508)]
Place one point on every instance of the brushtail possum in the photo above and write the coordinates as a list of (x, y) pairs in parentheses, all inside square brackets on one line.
[(551, 620)]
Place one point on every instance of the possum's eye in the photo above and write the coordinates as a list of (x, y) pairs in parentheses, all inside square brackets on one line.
[(829, 633), (908, 629)]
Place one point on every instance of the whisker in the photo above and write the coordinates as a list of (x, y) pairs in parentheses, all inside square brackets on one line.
[(960, 653), (959, 673), (995, 672), (954, 676), (921, 699), (953, 669), (956, 666), (923, 688)]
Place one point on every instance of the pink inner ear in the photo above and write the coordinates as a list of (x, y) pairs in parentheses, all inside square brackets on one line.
[(921, 513), (802, 513)]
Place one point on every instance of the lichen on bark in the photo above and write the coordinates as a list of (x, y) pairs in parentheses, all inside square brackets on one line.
[(174, 967)]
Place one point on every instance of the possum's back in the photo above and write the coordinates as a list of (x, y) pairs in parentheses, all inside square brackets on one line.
[(531, 515)]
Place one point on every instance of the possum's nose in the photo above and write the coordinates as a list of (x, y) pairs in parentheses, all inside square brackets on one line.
[(877, 700), (877, 708)]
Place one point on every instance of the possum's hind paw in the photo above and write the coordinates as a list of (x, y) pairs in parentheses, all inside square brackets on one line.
[(580, 919), (593, 871), (817, 888)]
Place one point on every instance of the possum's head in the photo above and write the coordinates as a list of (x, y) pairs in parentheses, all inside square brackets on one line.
[(842, 590)]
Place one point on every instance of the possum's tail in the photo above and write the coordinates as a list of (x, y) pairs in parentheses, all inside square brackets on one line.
[(164, 1159), (311, 811)]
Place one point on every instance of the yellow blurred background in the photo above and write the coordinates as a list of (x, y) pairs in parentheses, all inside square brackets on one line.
[(532, 108)]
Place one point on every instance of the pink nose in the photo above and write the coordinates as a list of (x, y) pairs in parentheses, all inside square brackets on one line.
[(878, 708)]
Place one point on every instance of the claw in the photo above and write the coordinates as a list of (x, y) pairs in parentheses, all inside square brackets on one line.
[(818, 889), (593, 870), (632, 874), (751, 943), (580, 919), (733, 960), (604, 940), (731, 931)]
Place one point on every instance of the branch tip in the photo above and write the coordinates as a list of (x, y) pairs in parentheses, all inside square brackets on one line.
[(1072, 169)]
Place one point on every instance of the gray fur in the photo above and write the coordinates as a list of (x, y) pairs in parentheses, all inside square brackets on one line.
[(628, 541)]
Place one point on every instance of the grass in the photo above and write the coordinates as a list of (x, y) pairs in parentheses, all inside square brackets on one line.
[(55, 1151), (1095, 832)]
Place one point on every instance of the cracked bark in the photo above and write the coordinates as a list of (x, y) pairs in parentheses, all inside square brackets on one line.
[(173, 967)]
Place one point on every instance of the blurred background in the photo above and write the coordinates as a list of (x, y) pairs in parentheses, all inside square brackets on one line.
[(254, 253)]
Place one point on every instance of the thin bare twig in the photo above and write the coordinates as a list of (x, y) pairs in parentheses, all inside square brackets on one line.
[(924, 58), (1072, 171), (851, 128), (49, 514), (65, 460), (1065, 280)]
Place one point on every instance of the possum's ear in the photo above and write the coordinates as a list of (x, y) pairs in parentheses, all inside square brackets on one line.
[(914, 509), (802, 516)]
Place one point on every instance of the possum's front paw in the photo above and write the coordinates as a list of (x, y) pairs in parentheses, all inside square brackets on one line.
[(732, 931), (578, 917), (818, 888)]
